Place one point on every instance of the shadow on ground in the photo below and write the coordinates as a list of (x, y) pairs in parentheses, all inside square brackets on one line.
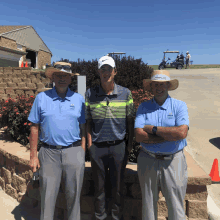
[(215, 142)]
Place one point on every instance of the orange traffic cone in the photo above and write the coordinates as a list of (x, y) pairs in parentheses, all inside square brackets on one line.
[(26, 65), (214, 174), (22, 64)]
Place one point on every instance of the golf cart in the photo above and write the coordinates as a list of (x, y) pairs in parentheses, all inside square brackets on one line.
[(178, 63)]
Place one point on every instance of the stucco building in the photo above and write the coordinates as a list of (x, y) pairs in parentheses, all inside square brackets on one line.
[(22, 43)]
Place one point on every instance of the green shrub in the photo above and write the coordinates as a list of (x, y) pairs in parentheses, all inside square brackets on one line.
[(14, 116)]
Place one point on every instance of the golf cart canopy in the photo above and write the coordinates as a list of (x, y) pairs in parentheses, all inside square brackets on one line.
[(171, 51)]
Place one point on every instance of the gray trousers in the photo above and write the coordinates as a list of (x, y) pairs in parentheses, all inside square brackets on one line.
[(170, 176), (55, 163)]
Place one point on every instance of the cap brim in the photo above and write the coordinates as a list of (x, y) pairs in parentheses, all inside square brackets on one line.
[(174, 84), (49, 72)]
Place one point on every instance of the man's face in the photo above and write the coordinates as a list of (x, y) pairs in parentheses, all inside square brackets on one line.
[(107, 73), (160, 89), (61, 79)]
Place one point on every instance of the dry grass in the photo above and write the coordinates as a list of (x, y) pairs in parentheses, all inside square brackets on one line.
[(194, 66)]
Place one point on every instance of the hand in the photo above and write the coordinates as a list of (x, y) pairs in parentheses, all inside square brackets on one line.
[(34, 164), (84, 148)]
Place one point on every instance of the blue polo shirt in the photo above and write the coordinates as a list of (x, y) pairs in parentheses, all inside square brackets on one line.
[(173, 112), (109, 112), (59, 118)]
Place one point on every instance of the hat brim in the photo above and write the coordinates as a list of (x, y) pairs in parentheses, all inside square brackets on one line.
[(174, 83), (51, 70)]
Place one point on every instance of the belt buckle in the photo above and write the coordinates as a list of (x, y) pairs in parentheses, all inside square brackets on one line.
[(159, 157), (110, 142), (58, 146)]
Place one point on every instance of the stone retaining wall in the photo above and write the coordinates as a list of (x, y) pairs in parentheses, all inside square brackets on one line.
[(15, 180)]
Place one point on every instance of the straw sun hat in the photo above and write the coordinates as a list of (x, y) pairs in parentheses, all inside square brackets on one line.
[(50, 70), (160, 76)]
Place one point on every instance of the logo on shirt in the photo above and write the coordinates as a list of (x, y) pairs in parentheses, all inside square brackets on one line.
[(170, 115), (72, 106)]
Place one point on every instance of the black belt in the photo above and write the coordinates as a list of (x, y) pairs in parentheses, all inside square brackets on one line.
[(74, 144), (109, 142), (162, 156)]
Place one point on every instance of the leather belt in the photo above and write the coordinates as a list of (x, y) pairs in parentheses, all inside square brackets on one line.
[(161, 156), (109, 142), (74, 144)]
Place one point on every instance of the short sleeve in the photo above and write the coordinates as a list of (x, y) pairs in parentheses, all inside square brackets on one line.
[(34, 115), (87, 106), (81, 119), (140, 117), (130, 106), (182, 117)]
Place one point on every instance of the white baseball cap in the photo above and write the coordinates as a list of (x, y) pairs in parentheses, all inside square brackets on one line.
[(106, 60)]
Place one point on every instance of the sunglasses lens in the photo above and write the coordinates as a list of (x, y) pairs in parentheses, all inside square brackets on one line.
[(59, 67)]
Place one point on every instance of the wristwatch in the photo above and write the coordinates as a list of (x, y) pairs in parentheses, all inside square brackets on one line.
[(154, 130)]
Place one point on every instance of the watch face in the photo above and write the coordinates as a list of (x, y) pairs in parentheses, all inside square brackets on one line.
[(154, 130)]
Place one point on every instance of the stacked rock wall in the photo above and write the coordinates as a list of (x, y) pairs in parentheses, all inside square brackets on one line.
[(16, 81)]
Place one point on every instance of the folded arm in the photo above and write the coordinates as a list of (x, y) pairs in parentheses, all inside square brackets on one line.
[(174, 133), (147, 138)]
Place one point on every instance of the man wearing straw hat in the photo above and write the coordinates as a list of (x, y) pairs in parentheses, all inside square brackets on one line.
[(161, 127), (58, 115)]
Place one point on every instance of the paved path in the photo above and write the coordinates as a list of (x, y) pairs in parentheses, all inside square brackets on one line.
[(200, 89)]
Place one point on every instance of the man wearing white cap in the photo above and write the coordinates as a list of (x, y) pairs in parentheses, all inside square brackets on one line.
[(58, 115), (161, 127), (109, 116)]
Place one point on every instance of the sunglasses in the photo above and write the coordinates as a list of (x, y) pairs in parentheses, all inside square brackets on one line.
[(64, 67)]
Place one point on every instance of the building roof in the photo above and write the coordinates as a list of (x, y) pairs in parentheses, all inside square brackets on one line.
[(25, 36), (12, 50), (5, 29)]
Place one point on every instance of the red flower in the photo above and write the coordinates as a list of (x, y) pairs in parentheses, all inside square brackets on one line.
[(6, 101), (32, 96), (25, 112), (17, 113), (25, 123), (29, 124)]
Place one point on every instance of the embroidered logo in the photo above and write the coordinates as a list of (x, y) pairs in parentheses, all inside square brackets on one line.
[(170, 115), (72, 106)]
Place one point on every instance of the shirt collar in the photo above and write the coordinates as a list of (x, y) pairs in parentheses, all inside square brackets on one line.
[(55, 95), (102, 92), (165, 104)]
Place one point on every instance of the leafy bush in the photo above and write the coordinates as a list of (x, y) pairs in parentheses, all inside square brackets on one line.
[(14, 116)]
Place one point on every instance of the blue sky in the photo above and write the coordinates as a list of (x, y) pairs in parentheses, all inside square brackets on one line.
[(89, 29)]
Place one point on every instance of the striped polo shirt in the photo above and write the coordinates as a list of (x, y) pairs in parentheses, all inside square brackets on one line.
[(108, 112)]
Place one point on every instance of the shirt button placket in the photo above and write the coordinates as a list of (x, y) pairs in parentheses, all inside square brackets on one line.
[(160, 117)]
